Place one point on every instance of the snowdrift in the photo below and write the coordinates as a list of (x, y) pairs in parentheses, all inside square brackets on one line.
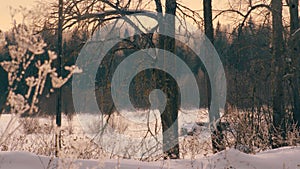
[(283, 158)]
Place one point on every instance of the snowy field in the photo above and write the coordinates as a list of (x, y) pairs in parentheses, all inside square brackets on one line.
[(15, 153), (284, 158), (121, 135)]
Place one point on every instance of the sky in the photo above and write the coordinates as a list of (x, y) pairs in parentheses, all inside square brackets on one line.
[(6, 21), (5, 12)]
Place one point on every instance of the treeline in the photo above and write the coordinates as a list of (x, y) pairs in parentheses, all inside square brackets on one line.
[(246, 54)]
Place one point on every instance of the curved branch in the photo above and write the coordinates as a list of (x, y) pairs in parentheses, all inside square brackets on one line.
[(101, 16), (254, 8), (229, 10), (245, 16), (194, 13)]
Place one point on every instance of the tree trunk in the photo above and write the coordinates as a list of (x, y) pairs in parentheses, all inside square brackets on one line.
[(278, 64), (217, 136), (59, 95), (170, 114), (294, 15), (294, 52), (208, 25)]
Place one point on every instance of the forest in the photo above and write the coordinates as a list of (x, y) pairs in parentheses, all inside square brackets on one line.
[(243, 58)]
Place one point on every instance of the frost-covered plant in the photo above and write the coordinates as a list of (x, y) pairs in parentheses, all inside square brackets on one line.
[(23, 55), (2, 40)]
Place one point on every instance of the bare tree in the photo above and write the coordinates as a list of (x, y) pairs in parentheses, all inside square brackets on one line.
[(294, 52), (96, 13), (169, 116), (208, 25), (294, 15), (59, 96), (217, 135), (92, 14), (278, 64)]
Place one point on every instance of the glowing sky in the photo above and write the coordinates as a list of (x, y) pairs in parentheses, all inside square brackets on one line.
[(6, 22), (5, 14)]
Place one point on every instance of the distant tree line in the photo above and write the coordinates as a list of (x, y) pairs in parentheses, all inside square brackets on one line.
[(246, 56)]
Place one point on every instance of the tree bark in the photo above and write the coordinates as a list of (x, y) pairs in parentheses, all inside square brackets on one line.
[(208, 25), (216, 135), (294, 52), (294, 15), (278, 67), (170, 114), (59, 95)]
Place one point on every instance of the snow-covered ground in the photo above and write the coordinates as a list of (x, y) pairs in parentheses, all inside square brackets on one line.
[(284, 158), (125, 136)]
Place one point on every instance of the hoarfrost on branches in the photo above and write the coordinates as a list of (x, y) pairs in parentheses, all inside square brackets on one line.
[(24, 54), (52, 55), (10, 67), (57, 82), (2, 40), (16, 53), (27, 50), (17, 103), (30, 82), (26, 39)]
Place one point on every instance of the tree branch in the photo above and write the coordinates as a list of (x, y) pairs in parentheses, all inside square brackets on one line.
[(102, 16)]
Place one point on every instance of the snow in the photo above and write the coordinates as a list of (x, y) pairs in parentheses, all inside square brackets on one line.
[(283, 158)]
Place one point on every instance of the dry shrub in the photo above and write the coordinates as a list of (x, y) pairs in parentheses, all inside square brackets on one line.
[(193, 146), (32, 125), (253, 131), (79, 147), (248, 131)]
